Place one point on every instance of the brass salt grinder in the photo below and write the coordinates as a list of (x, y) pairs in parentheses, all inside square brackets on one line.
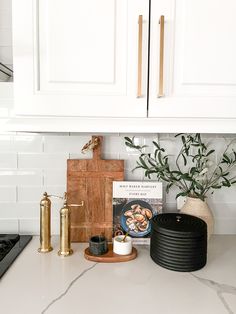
[(65, 228), (45, 224)]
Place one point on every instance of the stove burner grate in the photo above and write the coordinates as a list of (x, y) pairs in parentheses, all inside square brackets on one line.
[(6, 243)]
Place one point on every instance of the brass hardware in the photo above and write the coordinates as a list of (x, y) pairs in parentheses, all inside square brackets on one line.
[(56, 196), (161, 65), (90, 145), (77, 205), (140, 58), (65, 228), (45, 224)]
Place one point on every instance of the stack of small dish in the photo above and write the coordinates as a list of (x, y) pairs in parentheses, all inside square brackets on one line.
[(179, 242)]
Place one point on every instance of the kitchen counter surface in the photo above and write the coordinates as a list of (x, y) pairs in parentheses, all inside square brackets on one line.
[(46, 283)]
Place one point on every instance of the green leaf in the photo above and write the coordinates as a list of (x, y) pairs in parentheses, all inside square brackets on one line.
[(234, 155), (226, 182), (193, 170), (176, 172), (152, 162), (130, 145), (210, 152), (155, 144), (186, 177), (147, 174), (143, 162), (159, 158), (128, 139), (185, 160), (226, 158), (179, 134), (216, 186), (181, 194)]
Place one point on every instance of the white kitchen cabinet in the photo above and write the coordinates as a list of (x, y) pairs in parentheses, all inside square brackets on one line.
[(80, 58), (81, 62), (199, 59)]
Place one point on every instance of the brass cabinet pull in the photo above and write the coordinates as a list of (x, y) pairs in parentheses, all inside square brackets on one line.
[(140, 48), (161, 66)]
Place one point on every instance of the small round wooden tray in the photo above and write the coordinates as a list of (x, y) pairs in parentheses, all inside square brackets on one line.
[(110, 256)]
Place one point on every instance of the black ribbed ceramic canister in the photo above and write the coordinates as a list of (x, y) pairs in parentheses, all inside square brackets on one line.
[(179, 242)]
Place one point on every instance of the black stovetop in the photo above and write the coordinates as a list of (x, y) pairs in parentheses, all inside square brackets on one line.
[(11, 245)]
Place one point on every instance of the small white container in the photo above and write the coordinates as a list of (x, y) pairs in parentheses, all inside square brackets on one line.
[(122, 248)]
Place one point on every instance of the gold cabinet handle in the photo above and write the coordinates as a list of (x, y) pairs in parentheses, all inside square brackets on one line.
[(140, 58), (161, 65)]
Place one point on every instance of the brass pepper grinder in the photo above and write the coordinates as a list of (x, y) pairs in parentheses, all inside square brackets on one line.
[(65, 228), (45, 224)]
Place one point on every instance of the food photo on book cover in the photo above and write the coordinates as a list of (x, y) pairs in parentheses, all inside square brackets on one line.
[(135, 203)]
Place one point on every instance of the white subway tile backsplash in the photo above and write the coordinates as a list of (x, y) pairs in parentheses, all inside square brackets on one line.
[(80, 155), (54, 176), (42, 161), (115, 144), (8, 161), (225, 226), (22, 210), (7, 193), (9, 226), (110, 155), (31, 164), (21, 177), (65, 144), (8, 210), (28, 143), (31, 226), (225, 195), (133, 175), (35, 193), (130, 160)]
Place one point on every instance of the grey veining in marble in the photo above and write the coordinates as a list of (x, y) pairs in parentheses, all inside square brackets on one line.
[(68, 288), (219, 288)]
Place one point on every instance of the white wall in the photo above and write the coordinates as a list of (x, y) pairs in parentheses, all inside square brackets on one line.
[(33, 163)]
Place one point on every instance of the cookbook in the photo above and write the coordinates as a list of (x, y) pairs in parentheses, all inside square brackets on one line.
[(135, 203)]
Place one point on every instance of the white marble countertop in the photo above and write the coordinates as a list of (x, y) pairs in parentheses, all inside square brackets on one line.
[(46, 283)]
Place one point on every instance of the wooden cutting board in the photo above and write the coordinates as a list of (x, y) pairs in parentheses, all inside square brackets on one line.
[(90, 180)]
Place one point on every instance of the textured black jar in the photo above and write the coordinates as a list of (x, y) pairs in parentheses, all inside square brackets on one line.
[(98, 245), (179, 242)]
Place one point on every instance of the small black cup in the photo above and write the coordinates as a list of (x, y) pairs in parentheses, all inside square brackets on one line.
[(98, 245)]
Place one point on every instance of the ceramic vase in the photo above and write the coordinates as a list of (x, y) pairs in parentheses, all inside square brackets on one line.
[(197, 207)]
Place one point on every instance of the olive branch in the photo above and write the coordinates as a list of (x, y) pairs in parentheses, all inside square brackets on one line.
[(194, 172)]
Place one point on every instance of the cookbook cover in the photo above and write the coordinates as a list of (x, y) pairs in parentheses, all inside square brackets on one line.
[(134, 205)]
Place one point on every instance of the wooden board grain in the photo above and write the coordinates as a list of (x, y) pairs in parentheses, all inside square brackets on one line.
[(90, 180), (110, 256)]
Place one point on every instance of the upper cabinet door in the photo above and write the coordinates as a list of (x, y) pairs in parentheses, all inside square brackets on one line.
[(81, 58), (199, 63)]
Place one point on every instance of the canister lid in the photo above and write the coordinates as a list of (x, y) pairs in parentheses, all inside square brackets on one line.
[(179, 225)]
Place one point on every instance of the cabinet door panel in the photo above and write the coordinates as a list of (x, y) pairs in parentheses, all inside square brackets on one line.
[(66, 46), (82, 57), (199, 63)]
